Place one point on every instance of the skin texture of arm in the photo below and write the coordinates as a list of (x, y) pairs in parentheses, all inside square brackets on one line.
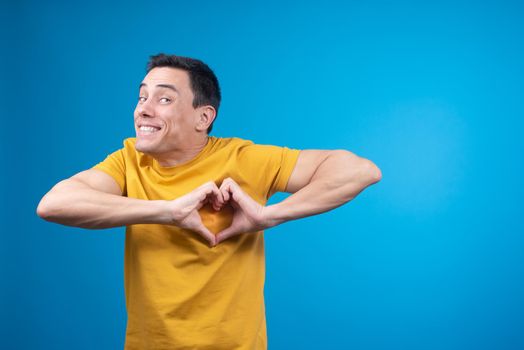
[(321, 181), (92, 199)]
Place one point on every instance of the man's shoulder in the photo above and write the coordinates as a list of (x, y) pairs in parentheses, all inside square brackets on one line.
[(249, 147), (245, 149), (230, 144), (231, 140)]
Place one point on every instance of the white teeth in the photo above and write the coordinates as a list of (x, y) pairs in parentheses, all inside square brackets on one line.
[(149, 128)]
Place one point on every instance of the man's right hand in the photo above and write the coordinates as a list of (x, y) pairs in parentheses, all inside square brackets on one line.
[(184, 209)]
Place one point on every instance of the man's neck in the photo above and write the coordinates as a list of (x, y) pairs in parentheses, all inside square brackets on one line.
[(181, 156)]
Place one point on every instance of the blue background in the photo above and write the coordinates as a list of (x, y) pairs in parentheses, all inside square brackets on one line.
[(432, 92)]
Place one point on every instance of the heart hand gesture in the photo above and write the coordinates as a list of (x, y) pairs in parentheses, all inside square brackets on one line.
[(249, 215), (185, 209)]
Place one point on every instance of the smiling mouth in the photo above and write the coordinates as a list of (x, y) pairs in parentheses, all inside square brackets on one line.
[(148, 129)]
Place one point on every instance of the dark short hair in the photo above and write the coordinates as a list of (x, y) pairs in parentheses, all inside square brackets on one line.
[(203, 81)]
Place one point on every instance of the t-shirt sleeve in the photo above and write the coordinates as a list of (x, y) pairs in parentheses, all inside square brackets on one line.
[(284, 163), (271, 166), (114, 165)]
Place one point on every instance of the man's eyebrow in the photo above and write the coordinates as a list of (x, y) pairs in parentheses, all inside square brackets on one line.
[(167, 86)]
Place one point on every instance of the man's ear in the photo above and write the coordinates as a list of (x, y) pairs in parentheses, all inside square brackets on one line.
[(205, 117)]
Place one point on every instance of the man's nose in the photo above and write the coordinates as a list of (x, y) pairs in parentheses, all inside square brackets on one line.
[(145, 109)]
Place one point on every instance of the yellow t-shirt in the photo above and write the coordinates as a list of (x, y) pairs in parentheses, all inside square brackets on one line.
[(180, 293)]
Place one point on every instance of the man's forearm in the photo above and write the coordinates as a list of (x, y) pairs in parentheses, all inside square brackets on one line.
[(337, 180), (74, 203)]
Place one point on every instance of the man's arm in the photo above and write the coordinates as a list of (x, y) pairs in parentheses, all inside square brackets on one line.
[(321, 181), (92, 199)]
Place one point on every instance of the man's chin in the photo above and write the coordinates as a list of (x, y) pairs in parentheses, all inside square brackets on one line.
[(144, 148)]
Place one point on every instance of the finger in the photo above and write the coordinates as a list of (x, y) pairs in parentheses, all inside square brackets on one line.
[(221, 196), (232, 188), (211, 199), (225, 192), (235, 194), (208, 235), (226, 233), (202, 199), (216, 198), (217, 206), (230, 182), (216, 192), (209, 193)]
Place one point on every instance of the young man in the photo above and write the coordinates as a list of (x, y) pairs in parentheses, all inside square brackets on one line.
[(194, 208)]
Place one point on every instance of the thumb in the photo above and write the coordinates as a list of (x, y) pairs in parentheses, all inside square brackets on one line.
[(208, 235), (226, 233)]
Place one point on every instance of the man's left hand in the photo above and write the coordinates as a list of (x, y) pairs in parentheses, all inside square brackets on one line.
[(248, 216)]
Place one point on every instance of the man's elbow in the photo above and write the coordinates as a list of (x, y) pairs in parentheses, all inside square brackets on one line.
[(44, 210), (375, 174), (51, 206), (368, 172)]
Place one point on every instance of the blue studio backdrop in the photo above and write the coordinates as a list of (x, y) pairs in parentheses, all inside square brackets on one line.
[(431, 257)]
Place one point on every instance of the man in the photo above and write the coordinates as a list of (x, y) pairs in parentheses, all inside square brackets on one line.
[(194, 208)]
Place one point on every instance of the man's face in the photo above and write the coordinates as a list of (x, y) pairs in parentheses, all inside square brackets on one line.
[(164, 115)]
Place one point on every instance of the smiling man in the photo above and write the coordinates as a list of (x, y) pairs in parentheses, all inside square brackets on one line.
[(194, 207)]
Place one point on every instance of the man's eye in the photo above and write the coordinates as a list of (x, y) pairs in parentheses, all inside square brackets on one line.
[(163, 99)]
